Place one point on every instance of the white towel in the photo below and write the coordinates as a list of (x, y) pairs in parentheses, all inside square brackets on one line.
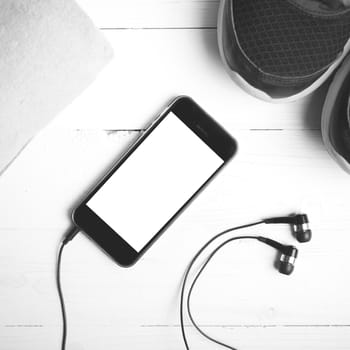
[(49, 52)]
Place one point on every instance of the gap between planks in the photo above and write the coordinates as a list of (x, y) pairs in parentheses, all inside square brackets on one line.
[(250, 326)]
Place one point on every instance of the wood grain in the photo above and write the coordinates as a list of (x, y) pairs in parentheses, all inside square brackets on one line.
[(152, 13), (149, 70), (254, 303), (281, 167)]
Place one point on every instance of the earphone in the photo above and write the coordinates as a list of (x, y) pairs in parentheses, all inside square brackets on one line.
[(288, 255), (300, 225)]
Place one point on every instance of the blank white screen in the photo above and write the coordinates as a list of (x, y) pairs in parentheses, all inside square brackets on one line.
[(159, 177)]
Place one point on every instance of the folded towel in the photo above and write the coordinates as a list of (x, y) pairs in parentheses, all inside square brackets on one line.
[(50, 51)]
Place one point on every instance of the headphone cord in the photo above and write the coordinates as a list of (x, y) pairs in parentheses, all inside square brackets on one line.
[(68, 237), (74, 231), (199, 252), (195, 281)]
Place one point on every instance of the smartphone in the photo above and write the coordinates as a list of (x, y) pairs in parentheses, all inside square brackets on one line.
[(154, 181)]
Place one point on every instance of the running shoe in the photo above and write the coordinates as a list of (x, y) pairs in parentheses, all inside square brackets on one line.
[(335, 123), (282, 50)]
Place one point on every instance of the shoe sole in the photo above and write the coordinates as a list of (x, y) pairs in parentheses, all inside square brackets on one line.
[(327, 110), (261, 94)]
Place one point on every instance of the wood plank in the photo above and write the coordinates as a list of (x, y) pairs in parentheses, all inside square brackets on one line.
[(114, 336), (249, 304), (151, 67), (135, 308), (241, 288), (281, 167), (275, 173), (152, 13), (39, 190), (60, 165)]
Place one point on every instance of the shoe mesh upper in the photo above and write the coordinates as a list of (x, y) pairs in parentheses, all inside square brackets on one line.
[(283, 40)]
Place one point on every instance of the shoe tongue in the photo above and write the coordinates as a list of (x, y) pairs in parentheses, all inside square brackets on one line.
[(323, 7)]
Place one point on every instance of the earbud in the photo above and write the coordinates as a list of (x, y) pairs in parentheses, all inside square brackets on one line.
[(287, 260), (300, 225), (288, 255), (285, 264), (301, 228)]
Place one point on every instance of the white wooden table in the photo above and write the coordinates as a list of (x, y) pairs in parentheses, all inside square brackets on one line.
[(162, 49)]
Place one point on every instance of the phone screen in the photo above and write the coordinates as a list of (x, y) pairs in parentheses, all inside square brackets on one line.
[(154, 182)]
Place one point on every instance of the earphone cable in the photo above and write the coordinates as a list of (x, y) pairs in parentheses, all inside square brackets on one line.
[(59, 289), (68, 237), (214, 252), (192, 263)]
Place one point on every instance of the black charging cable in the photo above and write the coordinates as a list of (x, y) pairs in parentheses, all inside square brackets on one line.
[(194, 259), (67, 238)]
